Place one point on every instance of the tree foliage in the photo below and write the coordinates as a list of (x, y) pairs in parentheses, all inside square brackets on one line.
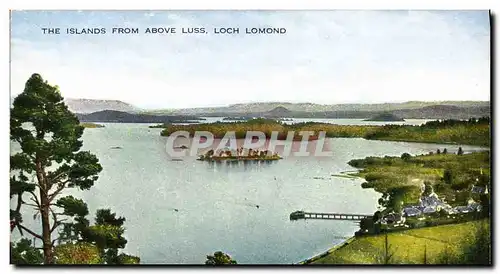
[(23, 253), (48, 162), (106, 234), (405, 156), (448, 176), (219, 258), (77, 253), (474, 252), (50, 159)]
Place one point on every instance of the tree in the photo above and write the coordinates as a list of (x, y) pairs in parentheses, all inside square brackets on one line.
[(49, 162), (448, 176), (49, 137), (219, 258), (405, 156), (386, 256), (427, 189), (24, 253), (106, 235), (485, 205), (366, 224), (460, 151), (479, 251), (483, 180), (476, 251), (377, 216)]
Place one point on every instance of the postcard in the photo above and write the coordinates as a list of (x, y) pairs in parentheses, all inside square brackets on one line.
[(250, 137)]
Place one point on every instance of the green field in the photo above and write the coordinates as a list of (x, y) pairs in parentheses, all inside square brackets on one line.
[(91, 125), (409, 246)]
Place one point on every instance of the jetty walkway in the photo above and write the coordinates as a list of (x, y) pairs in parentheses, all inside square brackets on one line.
[(327, 216)]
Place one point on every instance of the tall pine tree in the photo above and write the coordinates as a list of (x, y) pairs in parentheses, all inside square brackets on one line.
[(50, 161)]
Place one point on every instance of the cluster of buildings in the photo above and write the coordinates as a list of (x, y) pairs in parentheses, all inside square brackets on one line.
[(430, 204)]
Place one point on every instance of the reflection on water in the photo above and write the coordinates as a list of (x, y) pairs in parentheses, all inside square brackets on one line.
[(245, 165)]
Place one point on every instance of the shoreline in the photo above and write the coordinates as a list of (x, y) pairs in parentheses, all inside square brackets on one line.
[(336, 247), (327, 252), (347, 174)]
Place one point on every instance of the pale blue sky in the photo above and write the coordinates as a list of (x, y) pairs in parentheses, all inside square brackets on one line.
[(325, 57)]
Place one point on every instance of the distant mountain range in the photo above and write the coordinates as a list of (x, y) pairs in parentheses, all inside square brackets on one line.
[(407, 110), (92, 105), (363, 112), (310, 107)]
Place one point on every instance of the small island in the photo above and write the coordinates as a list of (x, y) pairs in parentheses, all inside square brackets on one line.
[(165, 125), (91, 125), (385, 117), (236, 118), (239, 155)]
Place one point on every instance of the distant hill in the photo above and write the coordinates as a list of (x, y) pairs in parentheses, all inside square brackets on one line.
[(428, 112), (277, 112), (112, 116), (93, 105), (243, 109), (444, 112), (406, 110)]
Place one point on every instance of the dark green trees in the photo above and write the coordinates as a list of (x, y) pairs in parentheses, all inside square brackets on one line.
[(476, 251), (219, 258), (49, 161), (106, 235), (24, 253), (448, 176), (405, 156), (427, 189)]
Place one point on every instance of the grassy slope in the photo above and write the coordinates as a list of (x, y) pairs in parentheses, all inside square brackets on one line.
[(407, 246), (91, 125)]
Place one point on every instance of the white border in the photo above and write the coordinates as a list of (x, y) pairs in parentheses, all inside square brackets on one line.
[(255, 4), (200, 5)]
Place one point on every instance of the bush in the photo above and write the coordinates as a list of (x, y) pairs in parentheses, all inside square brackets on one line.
[(370, 177), (368, 185), (405, 156)]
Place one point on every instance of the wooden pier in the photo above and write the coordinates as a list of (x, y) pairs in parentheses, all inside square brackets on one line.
[(327, 216)]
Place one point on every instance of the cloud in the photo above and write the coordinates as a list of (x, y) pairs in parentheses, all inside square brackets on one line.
[(325, 57)]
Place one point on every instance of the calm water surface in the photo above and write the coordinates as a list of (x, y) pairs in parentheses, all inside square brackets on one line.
[(217, 203)]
